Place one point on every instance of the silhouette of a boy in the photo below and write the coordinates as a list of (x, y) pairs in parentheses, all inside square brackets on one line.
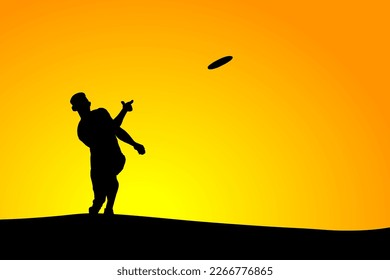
[(99, 132)]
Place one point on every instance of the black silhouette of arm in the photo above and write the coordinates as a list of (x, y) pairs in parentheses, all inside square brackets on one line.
[(119, 119), (127, 107), (125, 137)]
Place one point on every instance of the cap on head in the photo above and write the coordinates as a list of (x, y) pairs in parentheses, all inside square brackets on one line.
[(79, 100)]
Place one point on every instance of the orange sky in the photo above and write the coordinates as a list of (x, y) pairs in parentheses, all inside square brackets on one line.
[(292, 132)]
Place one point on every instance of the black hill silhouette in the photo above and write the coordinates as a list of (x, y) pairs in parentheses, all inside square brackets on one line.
[(131, 237), (98, 131)]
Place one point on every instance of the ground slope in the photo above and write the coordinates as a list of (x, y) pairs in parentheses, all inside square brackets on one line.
[(130, 237)]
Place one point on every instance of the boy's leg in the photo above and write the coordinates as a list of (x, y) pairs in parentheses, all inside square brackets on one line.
[(111, 195), (99, 183), (114, 184)]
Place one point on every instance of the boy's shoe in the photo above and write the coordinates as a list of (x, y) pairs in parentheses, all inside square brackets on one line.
[(108, 211), (93, 211)]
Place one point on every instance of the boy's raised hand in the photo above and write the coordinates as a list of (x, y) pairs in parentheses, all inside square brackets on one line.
[(127, 106)]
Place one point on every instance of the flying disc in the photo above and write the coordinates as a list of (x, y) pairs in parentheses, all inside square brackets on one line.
[(220, 62)]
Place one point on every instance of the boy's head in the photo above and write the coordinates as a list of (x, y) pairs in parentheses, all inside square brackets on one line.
[(79, 102)]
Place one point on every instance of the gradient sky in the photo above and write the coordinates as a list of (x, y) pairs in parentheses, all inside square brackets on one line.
[(293, 132)]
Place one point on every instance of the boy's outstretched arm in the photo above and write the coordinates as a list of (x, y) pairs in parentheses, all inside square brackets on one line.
[(126, 108), (125, 137)]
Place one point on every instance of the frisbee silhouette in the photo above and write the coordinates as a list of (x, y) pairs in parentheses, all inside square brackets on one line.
[(220, 62)]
